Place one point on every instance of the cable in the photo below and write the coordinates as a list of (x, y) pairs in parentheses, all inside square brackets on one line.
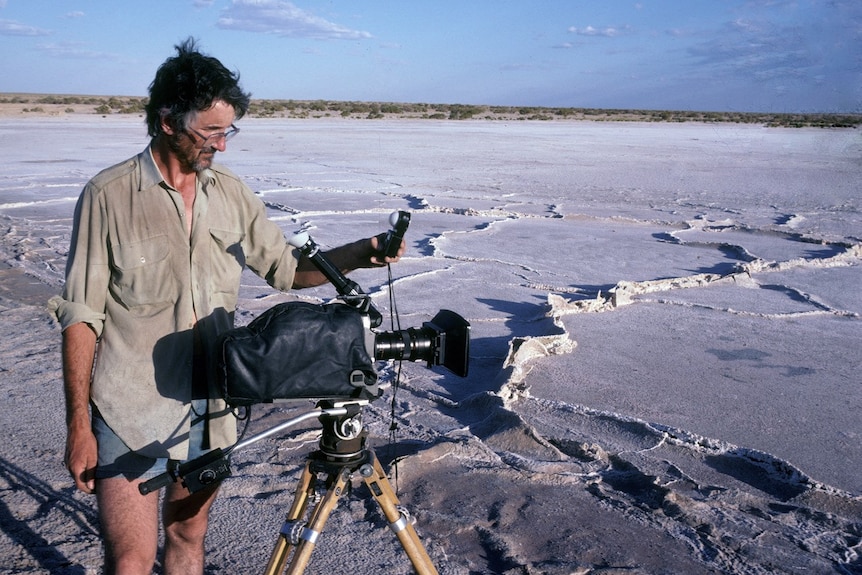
[(245, 416), (395, 324)]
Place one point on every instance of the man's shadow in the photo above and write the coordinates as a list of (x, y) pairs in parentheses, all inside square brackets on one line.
[(25, 532)]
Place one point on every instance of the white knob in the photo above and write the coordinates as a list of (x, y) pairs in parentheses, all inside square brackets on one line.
[(298, 240)]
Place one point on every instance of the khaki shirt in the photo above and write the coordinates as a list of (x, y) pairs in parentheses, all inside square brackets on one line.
[(134, 275)]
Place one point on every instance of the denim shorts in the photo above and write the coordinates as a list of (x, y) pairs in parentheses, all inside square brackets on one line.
[(116, 459)]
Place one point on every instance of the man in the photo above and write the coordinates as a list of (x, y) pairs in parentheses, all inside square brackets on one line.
[(158, 246)]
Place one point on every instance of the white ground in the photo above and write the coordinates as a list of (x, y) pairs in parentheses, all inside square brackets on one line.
[(664, 359)]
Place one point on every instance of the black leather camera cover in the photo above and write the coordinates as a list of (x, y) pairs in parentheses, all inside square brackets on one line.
[(298, 350)]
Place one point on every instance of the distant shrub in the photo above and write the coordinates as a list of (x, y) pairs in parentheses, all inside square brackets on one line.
[(378, 110), (375, 112), (463, 112)]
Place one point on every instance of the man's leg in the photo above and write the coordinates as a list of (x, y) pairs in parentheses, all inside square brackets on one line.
[(130, 526), (186, 517)]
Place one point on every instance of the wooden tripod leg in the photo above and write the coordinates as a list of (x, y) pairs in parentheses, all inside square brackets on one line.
[(319, 515), (383, 493), (281, 551)]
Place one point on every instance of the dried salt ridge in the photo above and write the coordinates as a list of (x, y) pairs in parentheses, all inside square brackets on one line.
[(664, 374)]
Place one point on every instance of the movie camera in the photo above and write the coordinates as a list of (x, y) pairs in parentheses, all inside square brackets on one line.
[(300, 350), (445, 340)]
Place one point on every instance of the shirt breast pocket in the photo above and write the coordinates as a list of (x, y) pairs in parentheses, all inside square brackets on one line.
[(142, 273), (228, 261)]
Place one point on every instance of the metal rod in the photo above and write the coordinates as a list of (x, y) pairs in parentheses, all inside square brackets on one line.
[(314, 414)]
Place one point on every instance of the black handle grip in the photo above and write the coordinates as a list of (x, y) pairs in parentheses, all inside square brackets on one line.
[(399, 222), (348, 289), (156, 483)]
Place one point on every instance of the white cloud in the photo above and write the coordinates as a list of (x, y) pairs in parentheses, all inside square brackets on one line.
[(13, 28), (72, 15), (73, 50), (681, 32), (608, 32), (283, 19)]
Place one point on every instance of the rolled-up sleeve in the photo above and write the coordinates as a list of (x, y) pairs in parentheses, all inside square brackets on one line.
[(267, 252), (87, 270)]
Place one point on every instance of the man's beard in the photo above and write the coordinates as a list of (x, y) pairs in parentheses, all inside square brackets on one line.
[(203, 161), (192, 158)]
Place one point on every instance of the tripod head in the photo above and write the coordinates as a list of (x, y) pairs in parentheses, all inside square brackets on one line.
[(343, 438), (343, 441)]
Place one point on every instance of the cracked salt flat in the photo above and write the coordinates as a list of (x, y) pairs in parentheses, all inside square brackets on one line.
[(670, 314)]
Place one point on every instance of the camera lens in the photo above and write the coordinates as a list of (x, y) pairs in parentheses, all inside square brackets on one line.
[(410, 344)]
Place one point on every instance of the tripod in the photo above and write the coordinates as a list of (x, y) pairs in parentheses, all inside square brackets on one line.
[(342, 454)]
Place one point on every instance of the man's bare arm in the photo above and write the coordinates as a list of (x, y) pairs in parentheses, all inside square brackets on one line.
[(79, 351)]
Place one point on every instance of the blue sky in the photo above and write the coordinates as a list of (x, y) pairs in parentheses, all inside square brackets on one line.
[(718, 55)]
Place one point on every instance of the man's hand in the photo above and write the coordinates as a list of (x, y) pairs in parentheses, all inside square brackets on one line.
[(81, 457), (379, 259)]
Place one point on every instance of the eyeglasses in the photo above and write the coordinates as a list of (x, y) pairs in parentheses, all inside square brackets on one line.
[(213, 138)]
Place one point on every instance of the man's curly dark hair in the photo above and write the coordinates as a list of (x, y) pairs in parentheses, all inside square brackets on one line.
[(191, 82)]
